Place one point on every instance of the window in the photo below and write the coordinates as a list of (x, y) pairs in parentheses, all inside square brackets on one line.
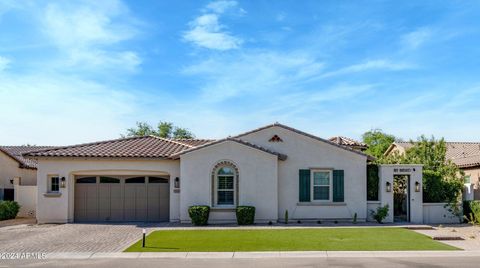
[(225, 186), (321, 185), (54, 184), (109, 180), (87, 180), (157, 180), (467, 179), (135, 180)]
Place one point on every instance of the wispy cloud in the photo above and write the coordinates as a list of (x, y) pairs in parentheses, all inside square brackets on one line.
[(4, 62), (378, 64), (417, 38), (206, 31), (88, 33)]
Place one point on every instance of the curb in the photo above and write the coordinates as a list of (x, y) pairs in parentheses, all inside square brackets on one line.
[(261, 255)]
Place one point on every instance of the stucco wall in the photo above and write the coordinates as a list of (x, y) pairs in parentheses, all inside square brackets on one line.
[(257, 180), (61, 209), (434, 213), (26, 197), (305, 153), (9, 169)]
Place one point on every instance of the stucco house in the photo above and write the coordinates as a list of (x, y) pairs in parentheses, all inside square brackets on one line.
[(274, 168), (14, 166), (466, 155)]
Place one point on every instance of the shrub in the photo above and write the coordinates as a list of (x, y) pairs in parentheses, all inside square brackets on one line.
[(245, 215), (199, 214), (8, 210), (471, 211), (380, 214)]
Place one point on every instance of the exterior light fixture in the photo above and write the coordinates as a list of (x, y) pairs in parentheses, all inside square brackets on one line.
[(417, 186), (144, 232), (176, 183), (11, 181), (62, 182), (388, 186)]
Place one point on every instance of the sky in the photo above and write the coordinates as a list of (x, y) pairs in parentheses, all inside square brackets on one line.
[(83, 71)]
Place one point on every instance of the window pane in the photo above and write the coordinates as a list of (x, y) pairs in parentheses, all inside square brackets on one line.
[(321, 193), (135, 180), (225, 182), (321, 178), (225, 171), (157, 180), (225, 198), (467, 179), (55, 184), (109, 180), (87, 180)]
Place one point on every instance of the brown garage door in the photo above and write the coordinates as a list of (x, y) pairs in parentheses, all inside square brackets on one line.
[(117, 198)]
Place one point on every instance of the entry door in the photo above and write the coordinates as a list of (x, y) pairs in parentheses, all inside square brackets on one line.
[(401, 200)]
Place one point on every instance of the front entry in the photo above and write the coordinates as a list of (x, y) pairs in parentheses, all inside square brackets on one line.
[(401, 200)]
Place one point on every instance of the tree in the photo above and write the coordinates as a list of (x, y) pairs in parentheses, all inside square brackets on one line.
[(377, 141), (164, 130)]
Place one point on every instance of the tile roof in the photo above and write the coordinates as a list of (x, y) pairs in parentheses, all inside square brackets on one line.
[(246, 143), (132, 147), (16, 153), (348, 142), (463, 154)]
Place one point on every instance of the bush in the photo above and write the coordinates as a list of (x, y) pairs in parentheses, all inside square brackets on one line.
[(8, 210), (245, 215), (471, 211), (199, 214), (380, 214)]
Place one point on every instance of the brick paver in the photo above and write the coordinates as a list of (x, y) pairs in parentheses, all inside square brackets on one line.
[(70, 237)]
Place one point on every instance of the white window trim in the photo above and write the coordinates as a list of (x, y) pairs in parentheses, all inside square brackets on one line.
[(49, 183), (330, 186), (234, 190)]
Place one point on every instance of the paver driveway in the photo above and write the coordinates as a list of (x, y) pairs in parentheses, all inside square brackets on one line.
[(70, 237)]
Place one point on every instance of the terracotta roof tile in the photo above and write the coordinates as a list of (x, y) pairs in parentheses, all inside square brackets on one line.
[(348, 142), (16, 152)]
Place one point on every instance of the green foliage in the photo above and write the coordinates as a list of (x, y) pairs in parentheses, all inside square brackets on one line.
[(199, 214), (372, 182), (163, 130), (286, 216), (8, 210), (471, 211), (380, 214), (245, 215), (377, 141)]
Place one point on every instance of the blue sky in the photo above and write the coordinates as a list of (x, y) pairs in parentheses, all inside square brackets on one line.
[(73, 72)]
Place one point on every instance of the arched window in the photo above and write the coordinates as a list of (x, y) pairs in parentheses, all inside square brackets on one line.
[(225, 184)]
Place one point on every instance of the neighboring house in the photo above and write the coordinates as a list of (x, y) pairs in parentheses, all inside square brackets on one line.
[(14, 165), (275, 168), (351, 143), (466, 155)]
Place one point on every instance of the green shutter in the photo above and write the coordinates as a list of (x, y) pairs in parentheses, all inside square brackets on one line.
[(338, 186), (304, 183)]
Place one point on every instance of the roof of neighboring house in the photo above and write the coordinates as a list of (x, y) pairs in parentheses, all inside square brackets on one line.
[(138, 147), (463, 154), (16, 153), (348, 142), (246, 143), (307, 135)]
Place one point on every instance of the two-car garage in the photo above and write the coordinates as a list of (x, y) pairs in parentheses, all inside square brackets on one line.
[(121, 198)]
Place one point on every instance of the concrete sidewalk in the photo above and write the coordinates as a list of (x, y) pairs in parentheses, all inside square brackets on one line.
[(261, 255)]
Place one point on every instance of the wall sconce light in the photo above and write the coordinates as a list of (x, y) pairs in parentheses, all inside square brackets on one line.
[(11, 181), (62, 182), (176, 182), (388, 186), (417, 186)]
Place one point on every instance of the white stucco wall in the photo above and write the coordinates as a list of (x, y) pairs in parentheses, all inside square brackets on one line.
[(9, 169), (307, 153), (257, 180), (26, 197), (61, 209), (434, 213)]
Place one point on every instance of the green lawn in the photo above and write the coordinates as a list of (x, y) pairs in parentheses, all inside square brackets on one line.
[(287, 240)]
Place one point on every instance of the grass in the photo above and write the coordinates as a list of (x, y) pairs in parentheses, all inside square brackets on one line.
[(354, 239)]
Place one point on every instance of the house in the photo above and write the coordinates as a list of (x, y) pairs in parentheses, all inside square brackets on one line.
[(466, 155), (13, 165), (275, 168), (348, 142)]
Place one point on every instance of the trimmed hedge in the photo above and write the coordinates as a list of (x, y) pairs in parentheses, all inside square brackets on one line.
[(199, 214), (8, 210), (245, 215)]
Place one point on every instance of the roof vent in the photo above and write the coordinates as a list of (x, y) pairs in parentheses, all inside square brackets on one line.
[(275, 138)]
